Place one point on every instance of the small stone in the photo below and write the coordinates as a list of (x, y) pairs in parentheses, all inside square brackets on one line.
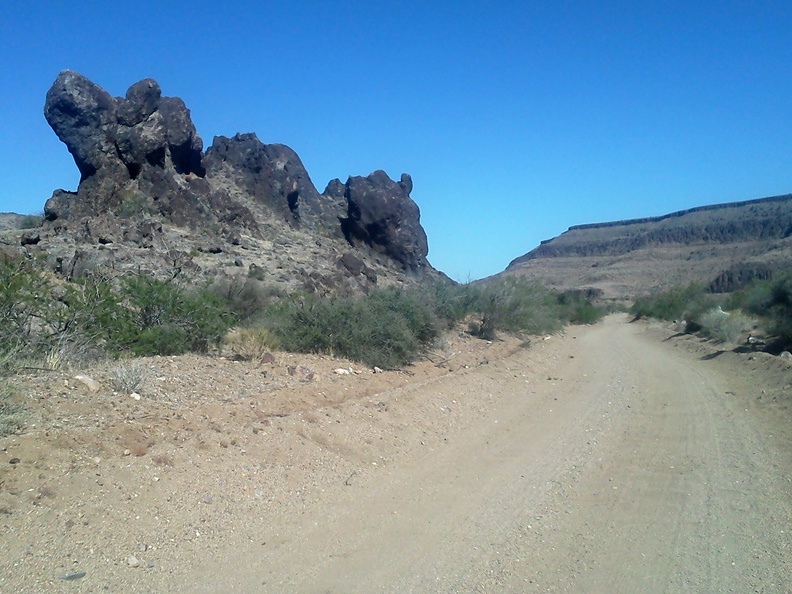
[(14, 461), (785, 355), (132, 561), (91, 383), (75, 575), (135, 395)]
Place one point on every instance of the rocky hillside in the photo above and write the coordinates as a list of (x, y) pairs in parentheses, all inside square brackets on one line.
[(723, 246), (151, 199)]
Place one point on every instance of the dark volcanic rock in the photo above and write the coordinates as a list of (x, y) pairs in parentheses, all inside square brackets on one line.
[(116, 141), (150, 201), (271, 174), (382, 215), (738, 276), (84, 117), (59, 205)]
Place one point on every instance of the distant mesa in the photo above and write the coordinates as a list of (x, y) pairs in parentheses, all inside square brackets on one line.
[(143, 174), (723, 246)]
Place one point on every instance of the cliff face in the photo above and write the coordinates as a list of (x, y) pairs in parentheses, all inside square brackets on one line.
[(722, 245), (150, 199)]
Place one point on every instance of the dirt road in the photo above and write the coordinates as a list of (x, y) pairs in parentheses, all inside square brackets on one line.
[(611, 459), (634, 467)]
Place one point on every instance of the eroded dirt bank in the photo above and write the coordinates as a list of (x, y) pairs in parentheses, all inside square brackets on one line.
[(603, 460)]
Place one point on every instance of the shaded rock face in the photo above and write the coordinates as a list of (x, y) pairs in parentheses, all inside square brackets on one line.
[(739, 276), (381, 214), (270, 174), (149, 198), (115, 141)]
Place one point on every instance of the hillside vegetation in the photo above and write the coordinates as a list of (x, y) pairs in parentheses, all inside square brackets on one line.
[(761, 308), (49, 322)]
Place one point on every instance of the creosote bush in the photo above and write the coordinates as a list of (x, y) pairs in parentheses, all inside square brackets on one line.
[(387, 328), (392, 327), (30, 221), (772, 301), (54, 322)]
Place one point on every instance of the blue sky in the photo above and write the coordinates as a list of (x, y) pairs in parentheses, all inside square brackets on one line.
[(515, 119)]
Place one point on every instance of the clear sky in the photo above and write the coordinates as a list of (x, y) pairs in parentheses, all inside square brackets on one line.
[(516, 119)]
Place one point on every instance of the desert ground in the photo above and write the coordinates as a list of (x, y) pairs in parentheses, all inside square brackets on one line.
[(613, 458)]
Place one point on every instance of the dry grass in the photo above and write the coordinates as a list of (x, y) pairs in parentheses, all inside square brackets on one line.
[(251, 344), (129, 378), (726, 327), (12, 415)]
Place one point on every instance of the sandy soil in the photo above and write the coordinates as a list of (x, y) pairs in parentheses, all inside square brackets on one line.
[(613, 458)]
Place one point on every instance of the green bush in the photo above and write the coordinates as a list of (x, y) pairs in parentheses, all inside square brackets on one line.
[(678, 303), (251, 344), (23, 291), (578, 309), (246, 297), (512, 305), (163, 318), (729, 327), (770, 300), (31, 221), (52, 322), (387, 328)]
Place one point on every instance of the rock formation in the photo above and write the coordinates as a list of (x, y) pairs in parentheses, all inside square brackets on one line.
[(382, 215), (145, 184)]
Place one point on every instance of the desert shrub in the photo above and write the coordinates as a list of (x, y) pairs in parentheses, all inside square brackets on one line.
[(164, 318), (132, 203), (30, 221), (770, 300), (419, 318), (129, 377), (256, 273), (755, 298), (512, 305), (23, 293), (578, 309), (387, 328), (245, 297), (251, 344), (780, 310), (677, 303), (449, 302), (728, 327)]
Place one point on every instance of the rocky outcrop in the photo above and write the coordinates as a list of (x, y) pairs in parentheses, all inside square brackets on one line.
[(739, 276), (382, 215), (144, 138), (149, 198), (271, 175)]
